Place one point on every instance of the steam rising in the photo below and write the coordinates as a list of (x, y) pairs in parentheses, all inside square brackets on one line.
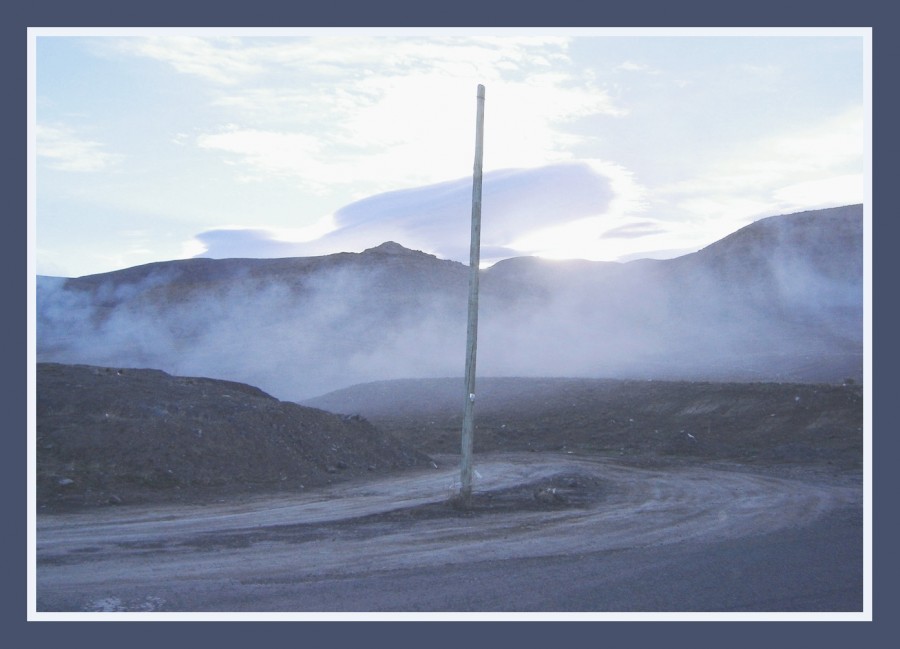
[(778, 300)]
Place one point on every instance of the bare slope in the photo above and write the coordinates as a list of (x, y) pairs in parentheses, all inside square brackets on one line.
[(779, 300), (757, 423), (107, 435)]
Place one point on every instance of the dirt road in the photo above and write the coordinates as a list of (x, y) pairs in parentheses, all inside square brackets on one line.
[(548, 532)]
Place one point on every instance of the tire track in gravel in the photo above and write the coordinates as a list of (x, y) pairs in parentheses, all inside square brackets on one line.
[(183, 556)]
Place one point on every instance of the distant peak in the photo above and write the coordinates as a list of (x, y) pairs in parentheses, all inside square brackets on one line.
[(390, 248)]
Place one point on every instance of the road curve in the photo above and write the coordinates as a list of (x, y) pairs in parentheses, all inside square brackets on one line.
[(237, 555)]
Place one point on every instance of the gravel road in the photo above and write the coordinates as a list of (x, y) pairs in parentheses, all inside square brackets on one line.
[(548, 532)]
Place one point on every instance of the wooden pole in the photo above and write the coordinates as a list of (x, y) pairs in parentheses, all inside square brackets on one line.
[(468, 427)]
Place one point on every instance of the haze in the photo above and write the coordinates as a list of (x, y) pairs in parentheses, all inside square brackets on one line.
[(780, 300)]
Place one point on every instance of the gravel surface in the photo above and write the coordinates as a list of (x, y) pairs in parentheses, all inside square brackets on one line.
[(583, 534), (597, 497)]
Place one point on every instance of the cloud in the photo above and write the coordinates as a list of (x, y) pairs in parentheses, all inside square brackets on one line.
[(833, 142), (267, 154), (66, 151), (390, 131), (818, 166), (382, 111), (322, 53), (608, 237), (436, 218), (259, 243), (634, 230), (224, 60), (764, 72), (282, 127), (838, 190), (632, 66), (239, 243)]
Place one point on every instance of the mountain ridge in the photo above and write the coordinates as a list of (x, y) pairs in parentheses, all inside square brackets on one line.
[(780, 299), (394, 248)]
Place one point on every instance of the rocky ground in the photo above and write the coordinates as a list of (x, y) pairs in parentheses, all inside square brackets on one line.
[(113, 436), (159, 493), (751, 423), (108, 436)]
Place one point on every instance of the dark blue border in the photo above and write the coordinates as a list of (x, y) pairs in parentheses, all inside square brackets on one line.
[(459, 13)]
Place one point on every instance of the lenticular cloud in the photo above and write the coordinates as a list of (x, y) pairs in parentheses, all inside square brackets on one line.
[(435, 218)]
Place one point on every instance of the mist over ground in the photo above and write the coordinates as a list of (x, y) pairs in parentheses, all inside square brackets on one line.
[(778, 300)]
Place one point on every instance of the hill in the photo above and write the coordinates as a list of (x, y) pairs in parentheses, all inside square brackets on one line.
[(113, 435), (779, 300), (764, 424)]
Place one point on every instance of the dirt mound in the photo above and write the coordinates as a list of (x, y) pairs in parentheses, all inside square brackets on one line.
[(109, 436), (759, 423)]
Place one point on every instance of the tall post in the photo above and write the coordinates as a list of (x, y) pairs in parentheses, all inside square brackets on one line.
[(468, 427)]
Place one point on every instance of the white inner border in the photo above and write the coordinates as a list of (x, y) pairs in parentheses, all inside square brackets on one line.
[(864, 32)]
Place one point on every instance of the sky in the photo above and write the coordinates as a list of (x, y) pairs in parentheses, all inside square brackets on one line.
[(153, 145)]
